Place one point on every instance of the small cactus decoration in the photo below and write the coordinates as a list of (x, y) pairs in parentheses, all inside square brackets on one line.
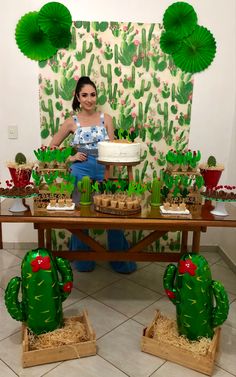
[(211, 161), (191, 289), (156, 192), (20, 159), (85, 189), (42, 291)]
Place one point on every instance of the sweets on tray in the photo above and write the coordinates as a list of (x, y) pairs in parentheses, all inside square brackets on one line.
[(220, 192)]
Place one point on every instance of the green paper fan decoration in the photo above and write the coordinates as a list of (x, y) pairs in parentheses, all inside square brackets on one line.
[(53, 15), (197, 51), (180, 18), (60, 37), (169, 42), (31, 40)]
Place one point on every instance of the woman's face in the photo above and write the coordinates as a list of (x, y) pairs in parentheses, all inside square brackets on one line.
[(87, 97)]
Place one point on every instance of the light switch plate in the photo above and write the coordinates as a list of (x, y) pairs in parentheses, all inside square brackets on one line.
[(12, 132)]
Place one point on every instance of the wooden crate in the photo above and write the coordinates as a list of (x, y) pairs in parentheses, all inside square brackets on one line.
[(188, 359), (66, 352)]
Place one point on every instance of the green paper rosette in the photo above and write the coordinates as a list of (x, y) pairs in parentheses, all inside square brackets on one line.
[(197, 51), (31, 40), (53, 15), (60, 37), (180, 18), (169, 42)]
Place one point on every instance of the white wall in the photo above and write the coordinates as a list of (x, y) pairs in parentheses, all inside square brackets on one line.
[(214, 99)]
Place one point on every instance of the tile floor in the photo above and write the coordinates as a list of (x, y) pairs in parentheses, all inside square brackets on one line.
[(119, 307)]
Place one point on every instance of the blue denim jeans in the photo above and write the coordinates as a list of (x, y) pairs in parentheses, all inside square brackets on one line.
[(115, 238)]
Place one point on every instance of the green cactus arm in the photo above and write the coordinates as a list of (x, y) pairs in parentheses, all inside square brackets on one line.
[(168, 282), (79, 186), (221, 310), (66, 282), (12, 303)]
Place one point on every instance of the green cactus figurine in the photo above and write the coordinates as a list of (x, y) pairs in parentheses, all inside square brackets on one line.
[(85, 189), (211, 161), (20, 159), (42, 291), (191, 289), (156, 192)]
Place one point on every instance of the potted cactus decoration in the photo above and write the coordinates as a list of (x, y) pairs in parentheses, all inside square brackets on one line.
[(201, 303), (20, 170), (42, 292), (211, 172), (85, 189)]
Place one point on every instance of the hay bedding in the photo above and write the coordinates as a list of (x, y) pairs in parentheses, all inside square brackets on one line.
[(71, 333), (165, 330)]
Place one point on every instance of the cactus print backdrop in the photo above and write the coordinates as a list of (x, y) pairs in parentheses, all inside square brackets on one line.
[(137, 84)]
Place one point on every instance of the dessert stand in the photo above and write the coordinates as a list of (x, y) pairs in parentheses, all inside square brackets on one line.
[(18, 204), (220, 209), (128, 165)]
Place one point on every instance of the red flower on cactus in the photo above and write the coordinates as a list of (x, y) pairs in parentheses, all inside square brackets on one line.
[(187, 266), (40, 263), (170, 294), (67, 287)]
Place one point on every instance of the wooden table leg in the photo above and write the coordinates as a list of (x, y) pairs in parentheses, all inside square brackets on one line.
[(196, 241), (48, 239), (130, 172), (184, 242), (107, 172), (41, 242)]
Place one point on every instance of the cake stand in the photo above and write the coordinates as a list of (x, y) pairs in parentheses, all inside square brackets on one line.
[(18, 205), (219, 209), (129, 166)]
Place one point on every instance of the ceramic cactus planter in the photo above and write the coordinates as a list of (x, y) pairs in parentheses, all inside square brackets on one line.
[(85, 189)]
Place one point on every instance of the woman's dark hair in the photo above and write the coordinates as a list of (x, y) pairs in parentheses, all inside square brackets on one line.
[(84, 80)]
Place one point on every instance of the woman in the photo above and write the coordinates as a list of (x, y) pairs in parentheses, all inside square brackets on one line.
[(89, 127)]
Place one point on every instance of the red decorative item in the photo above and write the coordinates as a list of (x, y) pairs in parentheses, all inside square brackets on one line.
[(40, 263), (211, 177), (67, 287), (187, 266), (170, 294), (20, 177)]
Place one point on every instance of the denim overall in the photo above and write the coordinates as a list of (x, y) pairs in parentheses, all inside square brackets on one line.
[(86, 139)]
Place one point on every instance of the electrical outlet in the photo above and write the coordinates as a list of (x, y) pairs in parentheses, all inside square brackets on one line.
[(12, 132)]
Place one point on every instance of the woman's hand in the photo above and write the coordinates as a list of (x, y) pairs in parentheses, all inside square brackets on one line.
[(79, 156)]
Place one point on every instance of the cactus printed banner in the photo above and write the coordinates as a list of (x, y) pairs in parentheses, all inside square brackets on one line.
[(138, 85)]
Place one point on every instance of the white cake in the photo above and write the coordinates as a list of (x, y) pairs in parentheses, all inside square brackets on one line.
[(115, 151)]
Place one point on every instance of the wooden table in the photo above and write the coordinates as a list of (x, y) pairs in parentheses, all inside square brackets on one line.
[(149, 219)]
